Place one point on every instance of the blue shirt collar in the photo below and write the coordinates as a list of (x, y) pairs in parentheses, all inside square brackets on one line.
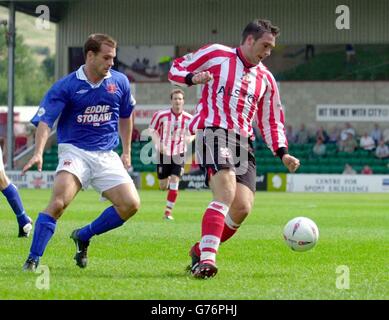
[(80, 74)]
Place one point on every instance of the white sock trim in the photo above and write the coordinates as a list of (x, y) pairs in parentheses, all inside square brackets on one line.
[(173, 186), (230, 223), (206, 255), (219, 206), (169, 204), (209, 241)]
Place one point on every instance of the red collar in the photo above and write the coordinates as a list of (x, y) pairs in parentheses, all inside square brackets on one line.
[(175, 114), (246, 63)]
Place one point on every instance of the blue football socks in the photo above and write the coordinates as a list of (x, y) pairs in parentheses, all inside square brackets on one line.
[(44, 230), (13, 198), (108, 220)]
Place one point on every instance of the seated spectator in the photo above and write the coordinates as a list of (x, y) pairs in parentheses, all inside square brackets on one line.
[(366, 170), (382, 150), (348, 129), (348, 169), (367, 142), (302, 135), (376, 134), (319, 149), (322, 134), (137, 65), (385, 135), (334, 135), (350, 53), (290, 135), (348, 145)]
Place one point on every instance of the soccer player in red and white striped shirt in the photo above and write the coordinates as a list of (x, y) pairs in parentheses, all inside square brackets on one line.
[(237, 86), (170, 134)]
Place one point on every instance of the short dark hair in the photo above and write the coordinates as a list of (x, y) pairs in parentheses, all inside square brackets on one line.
[(94, 42), (176, 91), (258, 27)]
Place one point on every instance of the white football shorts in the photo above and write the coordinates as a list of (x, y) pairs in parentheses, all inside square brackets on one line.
[(102, 170)]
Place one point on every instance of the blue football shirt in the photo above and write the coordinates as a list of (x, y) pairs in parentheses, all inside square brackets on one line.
[(88, 113)]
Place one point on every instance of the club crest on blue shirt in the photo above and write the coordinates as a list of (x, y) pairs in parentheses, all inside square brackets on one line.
[(111, 88)]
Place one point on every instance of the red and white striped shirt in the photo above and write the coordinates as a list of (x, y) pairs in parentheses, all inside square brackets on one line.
[(172, 130), (237, 92)]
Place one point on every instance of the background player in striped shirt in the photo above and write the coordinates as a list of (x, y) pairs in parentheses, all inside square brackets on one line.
[(170, 134), (237, 86), (94, 107)]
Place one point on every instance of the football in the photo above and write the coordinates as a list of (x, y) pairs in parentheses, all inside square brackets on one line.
[(301, 234)]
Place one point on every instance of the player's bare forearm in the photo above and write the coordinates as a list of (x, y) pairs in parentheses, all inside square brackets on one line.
[(202, 77), (125, 131), (291, 162), (41, 136), (156, 140)]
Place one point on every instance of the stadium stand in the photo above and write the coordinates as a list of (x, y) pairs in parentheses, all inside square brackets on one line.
[(333, 162)]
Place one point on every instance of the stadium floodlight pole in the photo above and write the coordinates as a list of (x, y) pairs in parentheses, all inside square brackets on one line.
[(11, 83)]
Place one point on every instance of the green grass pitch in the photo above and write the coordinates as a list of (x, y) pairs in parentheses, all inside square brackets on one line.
[(146, 258)]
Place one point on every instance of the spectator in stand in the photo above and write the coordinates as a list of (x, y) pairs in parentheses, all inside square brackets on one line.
[(366, 170), (302, 135), (367, 142), (290, 135), (348, 145), (309, 51), (382, 150), (348, 169), (334, 135), (347, 129), (319, 149), (385, 135), (350, 53), (376, 134), (322, 134)]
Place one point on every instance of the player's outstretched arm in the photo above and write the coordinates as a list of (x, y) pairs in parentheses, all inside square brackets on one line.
[(41, 136), (291, 162)]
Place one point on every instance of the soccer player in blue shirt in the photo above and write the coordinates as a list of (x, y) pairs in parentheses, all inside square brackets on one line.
[(94, 107)]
